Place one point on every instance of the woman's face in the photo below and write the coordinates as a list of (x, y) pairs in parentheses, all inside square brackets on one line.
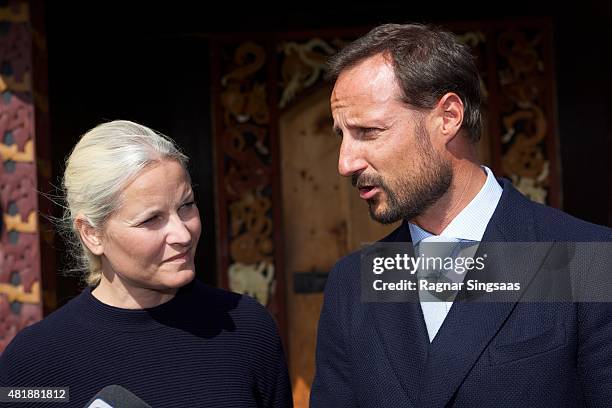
[(150, 241)]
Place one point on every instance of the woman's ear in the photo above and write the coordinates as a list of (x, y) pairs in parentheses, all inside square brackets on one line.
[(89, 235)]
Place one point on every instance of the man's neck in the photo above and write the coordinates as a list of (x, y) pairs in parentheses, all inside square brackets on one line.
[(467, 182)]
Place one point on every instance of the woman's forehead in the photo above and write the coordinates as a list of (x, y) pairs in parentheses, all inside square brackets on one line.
[(166, 181)]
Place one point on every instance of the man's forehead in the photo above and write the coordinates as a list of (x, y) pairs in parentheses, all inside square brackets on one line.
[(372, 80)]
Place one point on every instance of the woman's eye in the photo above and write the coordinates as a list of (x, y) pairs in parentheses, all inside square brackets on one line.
[(189, 204), (150, 220)]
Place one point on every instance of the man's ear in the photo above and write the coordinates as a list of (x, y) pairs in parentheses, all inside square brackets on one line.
[(449, 111), (89, 235)]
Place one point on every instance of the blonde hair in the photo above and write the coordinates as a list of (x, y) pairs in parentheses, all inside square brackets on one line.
[(104, 160)]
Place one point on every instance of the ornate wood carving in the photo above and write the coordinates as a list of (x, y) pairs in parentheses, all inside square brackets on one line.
[(528, 137), (250, 257), (302, 65)]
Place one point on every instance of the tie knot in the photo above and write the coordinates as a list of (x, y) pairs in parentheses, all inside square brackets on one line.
[(439, 257), (437, 246)]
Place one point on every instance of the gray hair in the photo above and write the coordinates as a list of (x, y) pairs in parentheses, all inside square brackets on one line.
[(102, 163)]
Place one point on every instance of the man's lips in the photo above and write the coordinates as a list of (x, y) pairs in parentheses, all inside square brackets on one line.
[(367, 192)]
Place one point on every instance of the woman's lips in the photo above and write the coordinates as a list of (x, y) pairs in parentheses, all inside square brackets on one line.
[(179, 257)]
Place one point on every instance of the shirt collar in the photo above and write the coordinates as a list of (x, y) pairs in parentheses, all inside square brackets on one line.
[(471, 222)]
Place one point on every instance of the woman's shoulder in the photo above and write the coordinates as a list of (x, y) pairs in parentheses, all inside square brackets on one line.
[(244, 309), (36, 345), (57, 323)]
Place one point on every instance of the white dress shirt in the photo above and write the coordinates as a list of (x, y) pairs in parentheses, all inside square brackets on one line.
[(468, 225)]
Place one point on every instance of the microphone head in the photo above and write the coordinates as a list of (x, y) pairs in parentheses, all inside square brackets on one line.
[(115, 396)]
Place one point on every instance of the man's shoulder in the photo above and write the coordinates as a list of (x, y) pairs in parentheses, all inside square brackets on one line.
[(521, 218), (352, 261), (556, 225)]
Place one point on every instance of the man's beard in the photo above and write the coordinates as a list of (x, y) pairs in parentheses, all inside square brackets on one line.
[(410, 196)]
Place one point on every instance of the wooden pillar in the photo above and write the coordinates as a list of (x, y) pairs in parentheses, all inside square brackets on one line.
[(23, 118), (248, 203)]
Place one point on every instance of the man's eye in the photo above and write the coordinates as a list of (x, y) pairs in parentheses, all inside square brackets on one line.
[(189, 204), (370, 132)]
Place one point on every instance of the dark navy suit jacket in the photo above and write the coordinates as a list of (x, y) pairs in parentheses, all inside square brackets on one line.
[(486, 354)]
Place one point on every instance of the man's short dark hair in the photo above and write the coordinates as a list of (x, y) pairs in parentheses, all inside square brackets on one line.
[(428, 63)]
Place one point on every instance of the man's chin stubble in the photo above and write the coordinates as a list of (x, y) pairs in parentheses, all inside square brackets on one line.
[(381, 216)]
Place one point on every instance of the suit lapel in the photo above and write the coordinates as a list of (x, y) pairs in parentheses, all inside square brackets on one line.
[(472, 323), (402, 331)]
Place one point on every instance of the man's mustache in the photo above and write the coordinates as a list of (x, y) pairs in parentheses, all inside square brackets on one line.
[(363, 180)]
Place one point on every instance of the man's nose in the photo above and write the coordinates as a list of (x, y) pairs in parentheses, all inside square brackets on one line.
[(351, 159)]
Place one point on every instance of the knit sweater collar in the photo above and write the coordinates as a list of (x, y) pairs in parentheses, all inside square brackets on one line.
[(97, 314)]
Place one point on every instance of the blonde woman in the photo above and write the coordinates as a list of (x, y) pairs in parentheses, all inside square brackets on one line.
[(144, 323)]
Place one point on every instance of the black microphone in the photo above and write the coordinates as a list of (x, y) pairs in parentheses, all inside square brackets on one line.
[(115, 396)]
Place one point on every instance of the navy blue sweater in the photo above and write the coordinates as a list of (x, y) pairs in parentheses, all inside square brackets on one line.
[(204, 348)]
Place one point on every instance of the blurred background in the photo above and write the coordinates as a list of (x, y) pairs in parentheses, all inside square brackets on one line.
[(240, 88)]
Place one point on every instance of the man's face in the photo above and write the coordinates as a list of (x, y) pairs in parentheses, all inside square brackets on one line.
[(386, 148)]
